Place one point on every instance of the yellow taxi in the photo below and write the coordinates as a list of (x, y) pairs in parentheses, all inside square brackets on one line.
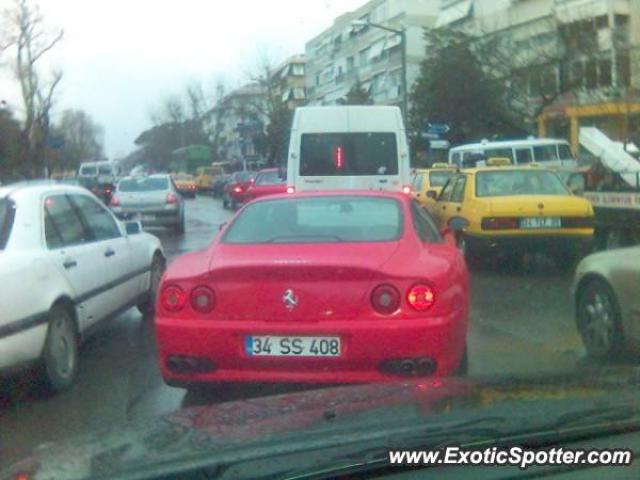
[(428, 182), (186, 184), (515, 210), (206, 177)]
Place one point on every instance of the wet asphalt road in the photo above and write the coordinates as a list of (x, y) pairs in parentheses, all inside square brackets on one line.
[(521, 322)]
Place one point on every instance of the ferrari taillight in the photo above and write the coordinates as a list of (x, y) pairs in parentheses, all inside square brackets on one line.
[(115, 201), (385, 299), (173, 298), (421, 297), (203, 299)]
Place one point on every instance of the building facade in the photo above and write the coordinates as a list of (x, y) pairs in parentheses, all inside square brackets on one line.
[(347, 54), (583, 58), (243, 125), (289, 82)]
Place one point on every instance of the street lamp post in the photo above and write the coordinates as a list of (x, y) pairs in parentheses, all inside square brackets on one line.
[(403, 44)]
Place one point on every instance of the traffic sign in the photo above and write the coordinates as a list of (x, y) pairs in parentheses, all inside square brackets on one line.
[(56, 142)]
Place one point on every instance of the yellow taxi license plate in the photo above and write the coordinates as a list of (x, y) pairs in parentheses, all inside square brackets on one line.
[(541, 222)]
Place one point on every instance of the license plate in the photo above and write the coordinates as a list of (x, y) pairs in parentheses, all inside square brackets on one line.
[(541, 222), (148, 218), (272, 346)]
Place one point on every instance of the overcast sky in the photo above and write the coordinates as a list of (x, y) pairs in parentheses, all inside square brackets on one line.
[(121, 57)]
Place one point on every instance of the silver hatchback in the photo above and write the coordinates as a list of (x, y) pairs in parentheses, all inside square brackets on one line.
[(152, 199)]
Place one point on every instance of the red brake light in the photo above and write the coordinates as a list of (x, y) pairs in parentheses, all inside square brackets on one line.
[(385, 299), (203, 299), (115, 201), (499, 223), (237, 189), (291, 189), (338, 156), (173, 298), (421, 297), (406, 189), (171, 198)]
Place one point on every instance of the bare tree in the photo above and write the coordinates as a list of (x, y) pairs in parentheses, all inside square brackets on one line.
[(83, 138), (27, 35), (216, 118), (273, 109)]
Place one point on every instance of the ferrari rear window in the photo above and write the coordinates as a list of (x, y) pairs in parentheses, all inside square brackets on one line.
[(318, 220), (7, 210)]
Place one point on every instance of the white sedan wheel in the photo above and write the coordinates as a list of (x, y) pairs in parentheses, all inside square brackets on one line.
[(60, 354)]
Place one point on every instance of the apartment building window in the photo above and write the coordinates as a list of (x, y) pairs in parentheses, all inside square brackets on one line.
[(297, 70), (605, 76), (549, 80), (363, 57), (623, 69), (317, 79), (337, 43), (577, 75), (591, 73), (602, 22), (350, 64), (620, 20)]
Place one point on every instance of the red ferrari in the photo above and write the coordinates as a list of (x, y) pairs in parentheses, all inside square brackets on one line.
[(267, 182), (317, 287)]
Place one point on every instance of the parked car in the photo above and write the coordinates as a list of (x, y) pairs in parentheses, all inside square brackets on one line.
[(235, 190), (185, 184), (516, 210), (61, 242), (321, 287), (268, 182), (607, 304), (154, 200)]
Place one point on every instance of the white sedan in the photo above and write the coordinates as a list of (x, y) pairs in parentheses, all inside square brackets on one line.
[(66, 263)]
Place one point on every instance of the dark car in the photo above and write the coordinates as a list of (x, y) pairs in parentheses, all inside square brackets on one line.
[(235, 191), (219, 184), (103, 191), (269, 181)]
